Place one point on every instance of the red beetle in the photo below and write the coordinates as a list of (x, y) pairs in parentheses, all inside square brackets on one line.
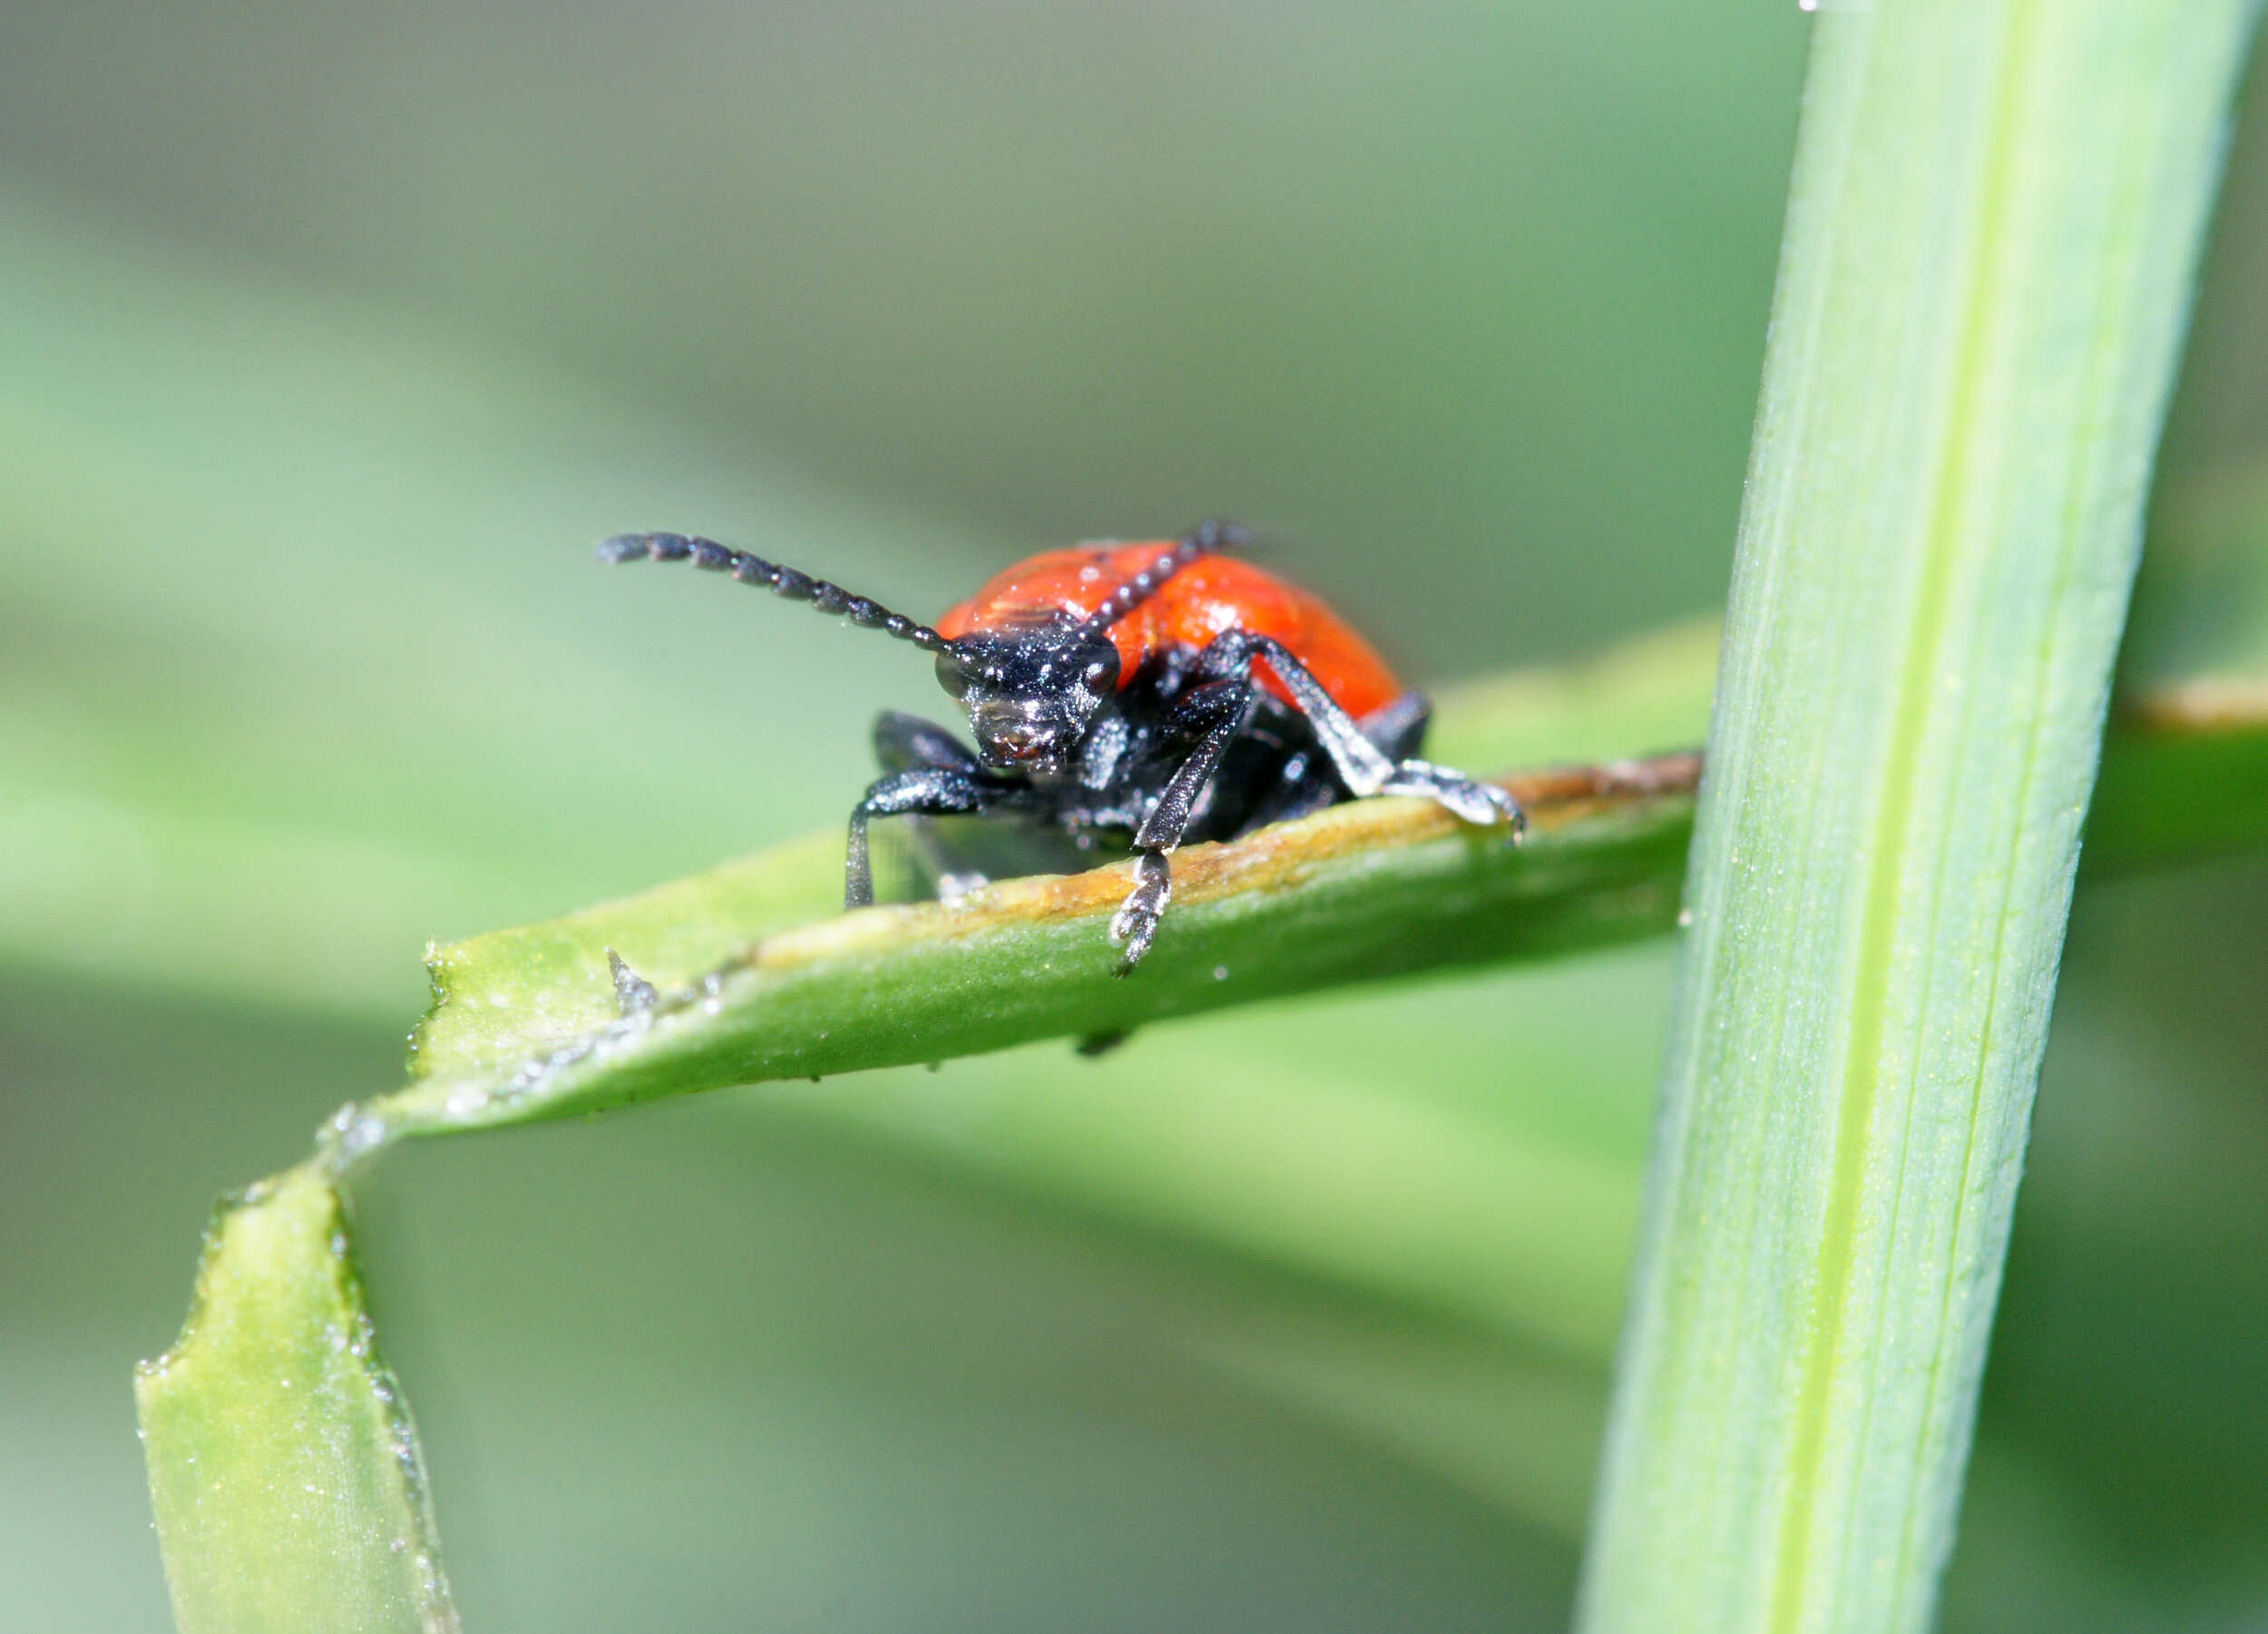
[(1113, 688)]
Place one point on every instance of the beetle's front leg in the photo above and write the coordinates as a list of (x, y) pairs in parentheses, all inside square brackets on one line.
[(905, 743), (922, 791)]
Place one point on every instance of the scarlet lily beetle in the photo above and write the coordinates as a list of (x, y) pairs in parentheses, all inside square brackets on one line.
[(1113, 687)]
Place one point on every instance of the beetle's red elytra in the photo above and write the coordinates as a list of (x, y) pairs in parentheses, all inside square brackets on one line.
[(1204, 600), (1161, 691)]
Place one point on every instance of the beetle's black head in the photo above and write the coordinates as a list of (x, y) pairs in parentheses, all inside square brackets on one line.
[(1031, 693)]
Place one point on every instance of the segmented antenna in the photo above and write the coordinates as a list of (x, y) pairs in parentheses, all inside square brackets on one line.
[(780, 581), (1202, 540)]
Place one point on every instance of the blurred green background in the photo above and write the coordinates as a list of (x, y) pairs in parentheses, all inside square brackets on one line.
[(330, 340)]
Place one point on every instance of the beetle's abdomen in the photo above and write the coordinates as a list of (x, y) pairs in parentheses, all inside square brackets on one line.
[(1210, 596)]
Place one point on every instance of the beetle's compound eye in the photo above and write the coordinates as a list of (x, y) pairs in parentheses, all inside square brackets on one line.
[(953, 673), (1100, 675)]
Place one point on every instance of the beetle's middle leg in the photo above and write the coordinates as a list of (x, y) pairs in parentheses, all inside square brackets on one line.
[(1216, 710)]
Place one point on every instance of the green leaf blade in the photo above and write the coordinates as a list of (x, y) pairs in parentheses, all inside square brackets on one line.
[(1362, 892), (1993, 229), (284, 1471)]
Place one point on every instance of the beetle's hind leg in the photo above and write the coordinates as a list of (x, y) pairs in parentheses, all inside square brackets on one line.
[(1398, 729), (1484, 804)]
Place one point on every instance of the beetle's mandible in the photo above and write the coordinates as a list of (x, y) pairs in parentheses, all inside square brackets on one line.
[(1165, 691)]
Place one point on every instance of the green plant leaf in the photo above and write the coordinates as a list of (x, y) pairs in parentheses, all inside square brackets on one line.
[(761, 979), (284, 1470), (1375, 889)]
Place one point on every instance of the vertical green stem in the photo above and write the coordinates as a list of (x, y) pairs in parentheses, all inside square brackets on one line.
[(1991, 239)]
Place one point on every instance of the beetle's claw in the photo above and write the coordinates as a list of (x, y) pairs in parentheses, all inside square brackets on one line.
[(1134, 927), (1484, 804), (1135, 924), (1501, 809)]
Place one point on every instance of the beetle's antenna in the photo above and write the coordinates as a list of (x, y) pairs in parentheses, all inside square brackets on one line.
[(780, 581), (1202, 540)]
